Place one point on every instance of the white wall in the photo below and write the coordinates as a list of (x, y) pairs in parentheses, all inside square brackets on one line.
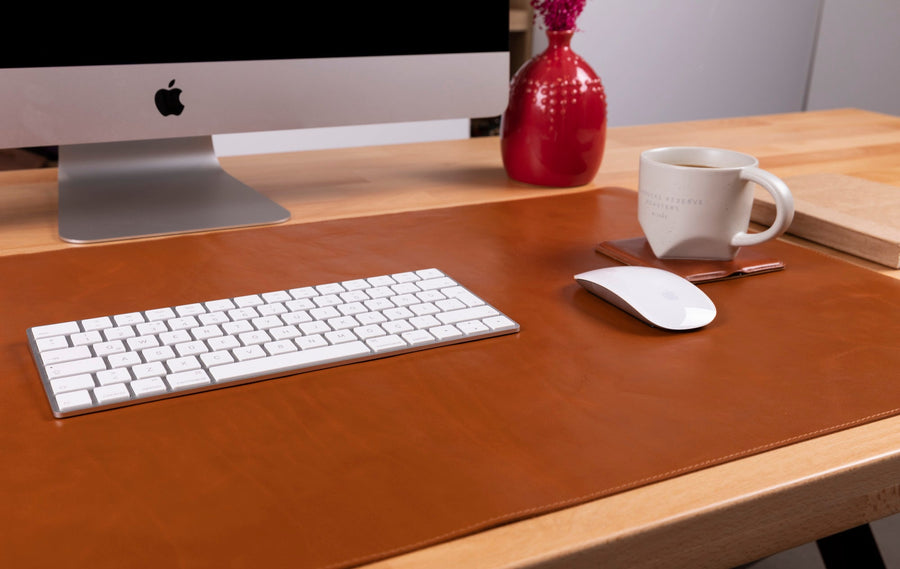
[(857, 62), (665, 60)]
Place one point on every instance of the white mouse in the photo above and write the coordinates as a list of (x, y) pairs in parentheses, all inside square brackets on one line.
[(657, 297)]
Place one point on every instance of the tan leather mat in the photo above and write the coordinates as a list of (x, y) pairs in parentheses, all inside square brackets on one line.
[(336, 467)]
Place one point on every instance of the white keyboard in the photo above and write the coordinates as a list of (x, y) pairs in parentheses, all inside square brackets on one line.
[(112, 361)]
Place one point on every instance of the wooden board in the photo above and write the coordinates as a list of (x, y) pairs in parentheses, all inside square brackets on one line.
[(850, 214)]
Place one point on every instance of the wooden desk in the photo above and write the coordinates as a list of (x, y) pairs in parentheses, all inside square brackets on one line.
[(717, 517), (383, 179)]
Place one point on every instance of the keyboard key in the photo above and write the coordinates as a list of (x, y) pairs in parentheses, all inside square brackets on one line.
[(277, 296), (85, 338), (139, 343), (66, 355), (176, 337), (158, 354), (128, 319), (365, 332), (311, 341), (74, 400), (124, 359), (55, 330), (177, 365), (160, 314), (148, 387), (386, 343), (115, 375), (118, 333), (430, 274), (330, 288), (405, 277), (280, 347), (96, 323), (304, 292), (418, 337), (152, 327), (248, 353), (190, 309), (90, 365), (51, 343), (112, 393), (109, 348), (153, 369), (365, 318), (467, 314), (288, 362), (500, 323), (445, 332), (248, 300), (380, 281), (72, 383), (436, 283), (182, 323), (220, 305), (472, 327), (187, 379), (340, 336), (223, 343), (210, 359), (191, 348)]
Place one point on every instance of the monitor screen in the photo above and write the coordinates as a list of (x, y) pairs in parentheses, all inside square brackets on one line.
[(132, 102)]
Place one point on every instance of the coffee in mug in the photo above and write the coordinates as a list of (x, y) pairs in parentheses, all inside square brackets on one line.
[(695, 202)]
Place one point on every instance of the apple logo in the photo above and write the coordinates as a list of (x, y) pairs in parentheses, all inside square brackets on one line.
[(168, 100)]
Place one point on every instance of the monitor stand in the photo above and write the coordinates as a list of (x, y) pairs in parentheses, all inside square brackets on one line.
[(124, 190)]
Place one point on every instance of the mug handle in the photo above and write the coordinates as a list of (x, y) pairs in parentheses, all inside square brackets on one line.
[(784, 207)]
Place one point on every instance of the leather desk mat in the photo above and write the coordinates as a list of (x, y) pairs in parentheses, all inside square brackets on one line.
[(341, 466)]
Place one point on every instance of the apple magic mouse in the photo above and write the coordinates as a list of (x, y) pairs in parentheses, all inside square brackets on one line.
[(659, 298)]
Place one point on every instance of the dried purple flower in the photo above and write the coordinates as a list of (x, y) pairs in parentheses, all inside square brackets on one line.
[(558, 14)]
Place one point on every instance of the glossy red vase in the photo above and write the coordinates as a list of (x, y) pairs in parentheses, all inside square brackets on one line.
[(553, 131)]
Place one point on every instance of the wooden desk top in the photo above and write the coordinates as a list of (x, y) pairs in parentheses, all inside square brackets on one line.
[(329, 184), (766, 503)]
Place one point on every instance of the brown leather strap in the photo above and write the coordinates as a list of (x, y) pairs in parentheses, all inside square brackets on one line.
[(336, 467)]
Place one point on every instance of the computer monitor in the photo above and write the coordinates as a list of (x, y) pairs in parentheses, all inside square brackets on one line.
[(132, 101)]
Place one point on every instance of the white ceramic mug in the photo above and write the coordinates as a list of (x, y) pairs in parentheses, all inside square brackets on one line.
[(695, 202)]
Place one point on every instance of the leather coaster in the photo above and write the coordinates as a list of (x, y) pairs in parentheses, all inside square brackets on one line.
[(636, 251)]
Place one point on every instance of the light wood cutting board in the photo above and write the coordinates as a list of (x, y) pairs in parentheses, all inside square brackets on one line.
[(846, 213)]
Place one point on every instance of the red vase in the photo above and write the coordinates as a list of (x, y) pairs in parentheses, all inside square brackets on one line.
[(553, 131)]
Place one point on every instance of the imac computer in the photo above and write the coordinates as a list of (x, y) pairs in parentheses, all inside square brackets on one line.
[(132, 102)]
